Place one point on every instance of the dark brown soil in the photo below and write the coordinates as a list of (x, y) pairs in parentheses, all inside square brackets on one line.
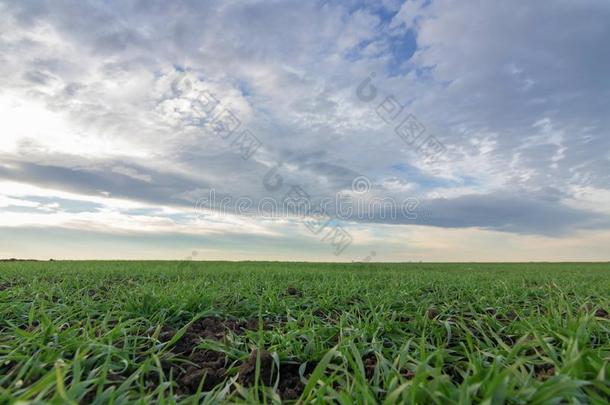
[(211, 366), (327, 315), (4, 285), (290, 386), (294, 292), (210, 328), (544, 371), (247, 371), (208, 365), (509, 340), (369, 361), (432, 313), (601, 313)]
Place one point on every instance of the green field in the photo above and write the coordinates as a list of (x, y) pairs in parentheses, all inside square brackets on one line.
[(169, 332)]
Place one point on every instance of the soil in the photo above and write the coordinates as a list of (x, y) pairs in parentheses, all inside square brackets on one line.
[(213, 365), (544, 371), (206, 364), (327, 315), (247, 371), (211, 328), (209, 365), (432, 313), (601, 313), (369, 361), (294, 292), (290, 386)]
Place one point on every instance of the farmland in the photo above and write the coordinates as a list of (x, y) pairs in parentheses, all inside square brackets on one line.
[(247, 332)]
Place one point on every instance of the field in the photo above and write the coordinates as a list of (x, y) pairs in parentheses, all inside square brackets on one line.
[(188, 332)]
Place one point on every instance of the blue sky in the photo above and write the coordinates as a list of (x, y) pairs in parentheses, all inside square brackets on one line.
[(110, 137)]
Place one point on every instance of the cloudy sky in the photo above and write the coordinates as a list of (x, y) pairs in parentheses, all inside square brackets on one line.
[(481, 127)]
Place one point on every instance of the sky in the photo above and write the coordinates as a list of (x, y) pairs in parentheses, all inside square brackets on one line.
[(410, 130)]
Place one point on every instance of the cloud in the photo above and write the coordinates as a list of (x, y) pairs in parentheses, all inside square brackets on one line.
[(94, 102), (509, 212)]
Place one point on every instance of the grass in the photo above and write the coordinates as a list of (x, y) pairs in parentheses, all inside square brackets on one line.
[(209, 332)]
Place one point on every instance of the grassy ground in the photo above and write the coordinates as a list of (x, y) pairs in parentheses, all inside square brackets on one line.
[(125, 332)]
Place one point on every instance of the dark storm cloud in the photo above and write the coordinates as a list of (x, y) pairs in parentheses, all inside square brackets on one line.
[(507, 212), (97, 181)]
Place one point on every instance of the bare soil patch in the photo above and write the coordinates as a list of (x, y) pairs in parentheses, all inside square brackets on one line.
[(290, 385), (212, 366)]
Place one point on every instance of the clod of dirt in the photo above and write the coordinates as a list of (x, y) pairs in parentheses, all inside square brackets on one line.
[(166, 333), (290, 386), (211, 328), (387, 343), (247, 371), (294, 292), (544, 371), (328, 315), (213, 365), (508, 340), (408, 374), (209, 365), (432, 313), (601, 313), (206, 364), (370, 362)]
